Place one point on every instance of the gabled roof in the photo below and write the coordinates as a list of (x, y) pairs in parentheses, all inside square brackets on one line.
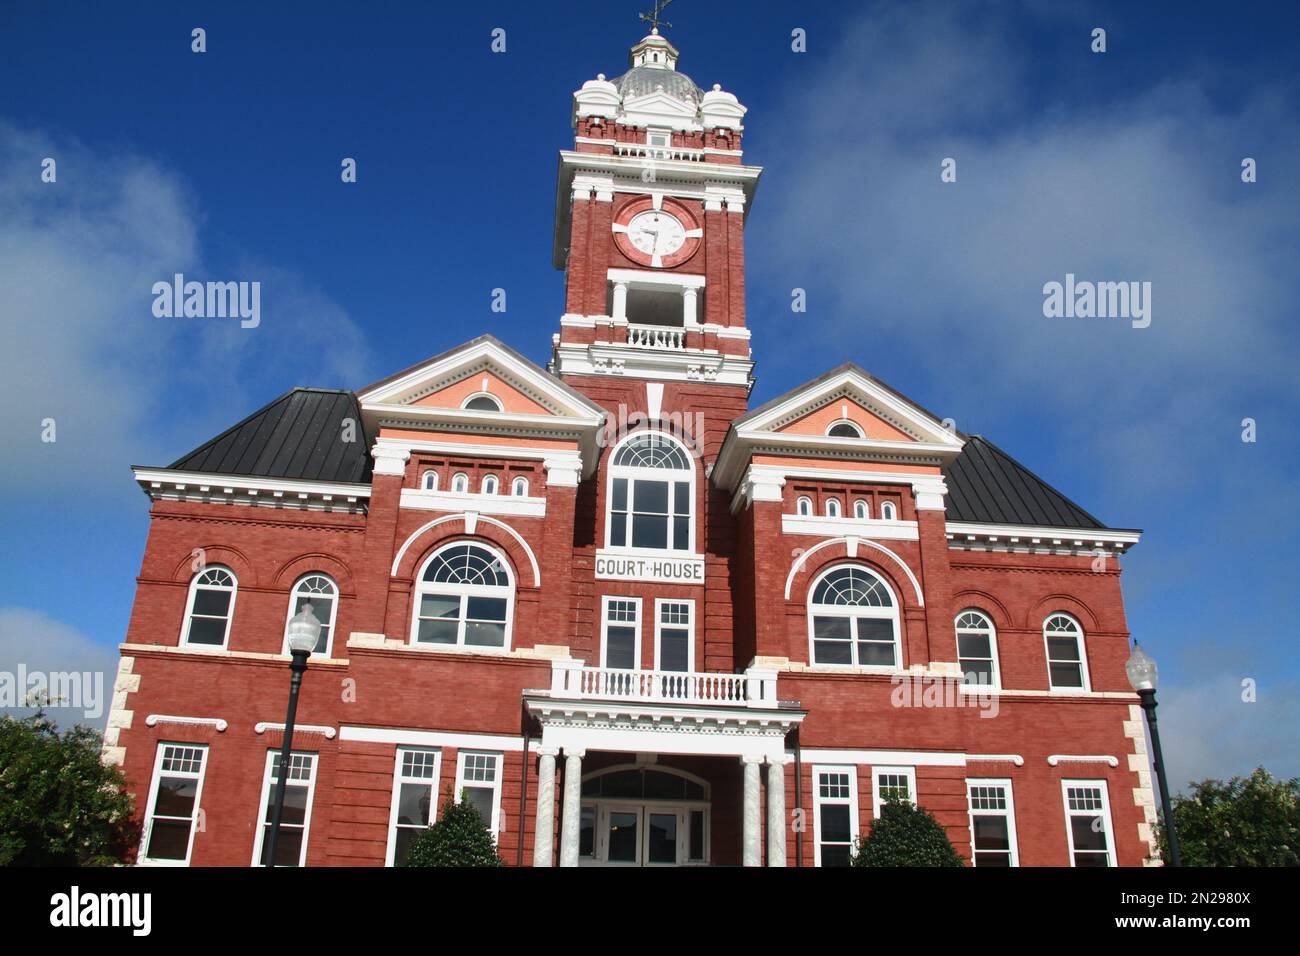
[(297, 436)]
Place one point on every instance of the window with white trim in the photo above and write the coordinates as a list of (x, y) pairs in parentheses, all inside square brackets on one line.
[(322, 594), (844, 429), (210, 608), (891, 784), (888, 511), (977, 648), (853, 619), (519, 487), (835, 815), (651, 485), (620, 644), (482, 402), (861, 509), (173, 807), (460, 483), (804, 506), (1087, 822), (295, 821), (992, 823), (1067, 665), (415, 799), (478, 781), (429, 481), (832, 507), (674, 635), (490, 484), (464, 597)]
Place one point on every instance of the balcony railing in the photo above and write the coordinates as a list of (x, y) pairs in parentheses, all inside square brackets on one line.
[(754, 688), (656, 337), (658, 152)]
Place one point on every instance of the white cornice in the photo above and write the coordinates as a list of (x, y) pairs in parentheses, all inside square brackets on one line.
[(682, 365), (824, 527), (511, 505), (928, 489), (166, 484), (1031, 539)]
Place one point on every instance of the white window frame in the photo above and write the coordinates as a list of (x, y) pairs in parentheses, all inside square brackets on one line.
[(832, 507), (637, 627), (1010, 813), (690, 630), (333, 615), (888, 511), (804, 506), (855, 822), (142, 857), (492, 480), (1104, 811), (230, 608), (876, 801), (465, 591), (494, 825), (993, 645), (398, 779), (426, 484), (634, 473), (892, 613), (268, 790), (460, 483), (844, 421), (861, 509), (1083, 654), (488, 395), (519, 487)]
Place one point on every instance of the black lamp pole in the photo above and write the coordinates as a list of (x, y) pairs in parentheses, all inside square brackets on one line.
[(1148, 697), (298, 667)]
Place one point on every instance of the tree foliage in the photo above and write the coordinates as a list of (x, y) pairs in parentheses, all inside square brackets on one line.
[(60, 805), (1247, 821), (905, 835), (459, 837)]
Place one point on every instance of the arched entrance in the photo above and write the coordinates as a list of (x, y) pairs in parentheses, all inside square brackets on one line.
[(637, 815)]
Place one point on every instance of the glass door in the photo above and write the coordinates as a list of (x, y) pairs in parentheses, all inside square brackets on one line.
[(622, 831), (663, 836)]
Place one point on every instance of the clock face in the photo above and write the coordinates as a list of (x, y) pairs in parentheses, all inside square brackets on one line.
[(656, 233)]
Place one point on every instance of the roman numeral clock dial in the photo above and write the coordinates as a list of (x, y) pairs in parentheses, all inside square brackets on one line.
[(656, 236)]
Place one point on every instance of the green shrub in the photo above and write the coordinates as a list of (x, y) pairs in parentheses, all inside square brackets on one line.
[(459, 837), (905, 835)]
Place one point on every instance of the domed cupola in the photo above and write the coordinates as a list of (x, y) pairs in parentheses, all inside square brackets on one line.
[(653, 64)]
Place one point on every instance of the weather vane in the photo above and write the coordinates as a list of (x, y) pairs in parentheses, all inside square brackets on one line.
[(653, 18)]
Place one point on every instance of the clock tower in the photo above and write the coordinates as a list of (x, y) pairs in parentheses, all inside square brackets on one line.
[(649, 231)]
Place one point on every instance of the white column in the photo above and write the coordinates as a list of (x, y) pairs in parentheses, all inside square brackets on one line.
[(569, 818), (752, 849), (544, 834), (689, 297), (620, 302), (776, 829)]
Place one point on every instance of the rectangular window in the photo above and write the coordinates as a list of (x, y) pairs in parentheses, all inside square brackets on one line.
[(835, 814), (173, 806), (992, 823), (415, 799), (478, 780), (1087, 822), (658, 513), (621, 644), (891, 783), (295, 821), (674, 635)]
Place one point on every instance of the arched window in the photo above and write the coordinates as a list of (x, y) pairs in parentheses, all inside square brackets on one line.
[(888, 511), (853, 619), (482, 402), (490, 485), (519, 487), (464, 598), (804, 506), (977, 648), (1067, 665), (460, 483), (832, 507), (861, 509), (319, 591), (844, 429), (429, 481), (651, 486), (210, 608)]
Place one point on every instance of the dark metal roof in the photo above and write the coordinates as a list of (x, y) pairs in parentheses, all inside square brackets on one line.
[(298, 436), (987, 485)]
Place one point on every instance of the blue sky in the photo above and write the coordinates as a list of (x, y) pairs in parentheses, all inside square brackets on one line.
[(1115, 166)]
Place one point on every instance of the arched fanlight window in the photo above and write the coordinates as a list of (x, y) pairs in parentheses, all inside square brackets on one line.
[(482, 402), (844, 429), (210, 608), (853, 619), (1067, 664), (977, 648), (519, 487), (460, 483), (832, 507), (861, 509), (651, 487), (429, 481), (888, 511), (490, 484), (464, 597), (804, 506), (320, 592)]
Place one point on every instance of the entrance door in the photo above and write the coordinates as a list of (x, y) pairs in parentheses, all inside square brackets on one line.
[(638, 835)]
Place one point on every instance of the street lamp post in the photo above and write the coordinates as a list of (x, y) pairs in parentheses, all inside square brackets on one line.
[(1142, 675), (304, 630)]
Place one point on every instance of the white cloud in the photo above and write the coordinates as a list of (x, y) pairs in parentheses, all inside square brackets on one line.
[(38, 644)]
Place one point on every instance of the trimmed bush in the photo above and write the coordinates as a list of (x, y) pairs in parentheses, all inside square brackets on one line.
[(906, 835), (459, 837)]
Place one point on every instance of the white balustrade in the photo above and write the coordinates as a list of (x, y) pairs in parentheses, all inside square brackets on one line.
[(656, 337), (643, 151), (754, 688)]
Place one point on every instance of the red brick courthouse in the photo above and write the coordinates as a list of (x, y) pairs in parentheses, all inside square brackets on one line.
[(631, 618)]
